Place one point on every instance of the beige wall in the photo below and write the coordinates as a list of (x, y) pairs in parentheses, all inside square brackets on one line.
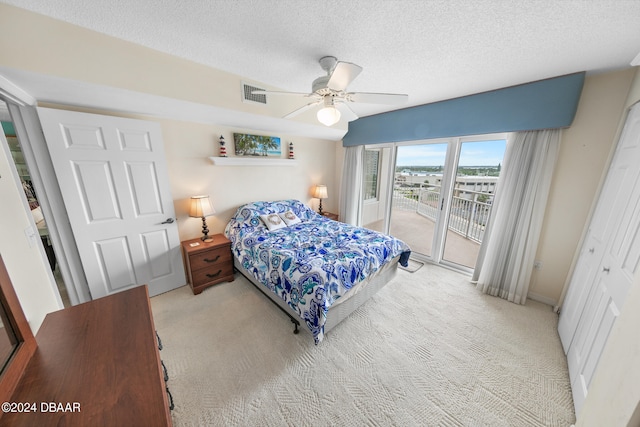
[(584, 155), (24, 259), (36, 43), (614, 393), (39, 44), (188, 147)]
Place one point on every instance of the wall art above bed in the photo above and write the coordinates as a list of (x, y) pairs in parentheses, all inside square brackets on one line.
[(257, 145)]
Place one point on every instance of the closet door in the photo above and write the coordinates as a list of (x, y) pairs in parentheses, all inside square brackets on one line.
[(608, 213), (607, 263)]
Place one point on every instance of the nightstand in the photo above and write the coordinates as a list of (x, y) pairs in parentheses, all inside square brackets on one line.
[(330, 215), (207, 263)]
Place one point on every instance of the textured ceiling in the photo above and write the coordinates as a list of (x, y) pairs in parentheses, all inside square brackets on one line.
[(431, 50)]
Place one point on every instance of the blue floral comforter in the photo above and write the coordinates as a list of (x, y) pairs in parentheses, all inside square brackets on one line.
[(310, 264)]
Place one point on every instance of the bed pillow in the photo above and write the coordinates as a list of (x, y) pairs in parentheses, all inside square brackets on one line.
[(290, 218), (273, 221)]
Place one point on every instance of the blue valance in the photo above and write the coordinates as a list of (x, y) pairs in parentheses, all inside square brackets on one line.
[(544, 104)]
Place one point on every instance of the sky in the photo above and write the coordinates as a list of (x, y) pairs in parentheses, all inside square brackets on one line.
[(481, 153)]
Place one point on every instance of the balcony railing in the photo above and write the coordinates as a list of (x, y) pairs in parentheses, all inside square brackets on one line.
[(468, 216)]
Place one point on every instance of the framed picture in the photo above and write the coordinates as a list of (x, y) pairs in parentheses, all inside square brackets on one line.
[(256, 145)]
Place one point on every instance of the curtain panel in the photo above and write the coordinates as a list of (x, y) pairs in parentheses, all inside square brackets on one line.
[(351, 190), (506, 258)]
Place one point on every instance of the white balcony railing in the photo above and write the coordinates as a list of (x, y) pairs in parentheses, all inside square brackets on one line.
[(468, 216)]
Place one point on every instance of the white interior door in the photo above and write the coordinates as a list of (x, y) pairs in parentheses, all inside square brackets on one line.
[(113, 177), (608, 262)]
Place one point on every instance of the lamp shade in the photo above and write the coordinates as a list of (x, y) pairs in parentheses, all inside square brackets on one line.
[(328, 116), (320, 192), (201, 207)]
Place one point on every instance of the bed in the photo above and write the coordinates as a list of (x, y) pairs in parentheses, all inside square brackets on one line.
[(316, 269)]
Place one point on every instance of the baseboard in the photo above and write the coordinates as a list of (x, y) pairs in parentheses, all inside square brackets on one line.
[(544, 300)]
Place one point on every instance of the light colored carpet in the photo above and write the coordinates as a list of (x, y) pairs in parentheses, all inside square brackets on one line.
[(427, 350)]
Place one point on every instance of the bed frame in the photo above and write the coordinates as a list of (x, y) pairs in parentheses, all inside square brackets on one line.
[(339, 311)]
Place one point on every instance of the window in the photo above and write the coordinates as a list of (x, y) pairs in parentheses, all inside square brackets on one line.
[(371, 169)]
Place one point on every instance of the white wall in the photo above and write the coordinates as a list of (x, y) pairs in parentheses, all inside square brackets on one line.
[(24, 258)]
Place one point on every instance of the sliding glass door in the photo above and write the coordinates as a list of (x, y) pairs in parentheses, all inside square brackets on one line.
[(415, 205), (477, 168), (435, 195)]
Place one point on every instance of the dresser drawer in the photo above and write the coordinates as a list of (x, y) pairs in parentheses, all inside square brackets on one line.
[(209, 258), (217, 272)]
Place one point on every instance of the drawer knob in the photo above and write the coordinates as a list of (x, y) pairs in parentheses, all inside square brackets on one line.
[(212, 260), (211, 276)]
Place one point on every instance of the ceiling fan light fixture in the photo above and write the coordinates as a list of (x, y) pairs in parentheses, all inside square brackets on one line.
[(328, 116), (331, 88)]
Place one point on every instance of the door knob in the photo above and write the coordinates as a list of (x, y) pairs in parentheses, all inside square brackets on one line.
[(605, 269), (591, 250), (167, 221)]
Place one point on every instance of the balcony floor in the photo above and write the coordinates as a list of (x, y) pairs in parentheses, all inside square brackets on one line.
[(417, 232)]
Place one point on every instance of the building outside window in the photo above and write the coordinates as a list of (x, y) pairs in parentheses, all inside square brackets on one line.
[(371, 174)]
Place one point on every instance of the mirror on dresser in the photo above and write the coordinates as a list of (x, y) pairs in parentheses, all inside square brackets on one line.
[(8, 340), (18, 343)]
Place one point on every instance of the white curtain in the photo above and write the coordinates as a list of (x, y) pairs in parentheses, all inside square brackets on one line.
[(507, 255), (351, 190)]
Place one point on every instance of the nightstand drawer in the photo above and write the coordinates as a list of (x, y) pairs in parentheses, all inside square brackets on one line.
[(207, 263), (209, 258), (211, 274)]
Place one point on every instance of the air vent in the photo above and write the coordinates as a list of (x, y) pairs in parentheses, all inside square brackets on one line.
[(248, 96)]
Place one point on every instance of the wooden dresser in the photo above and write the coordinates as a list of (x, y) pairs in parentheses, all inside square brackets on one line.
[(208, 263), (96, 364)]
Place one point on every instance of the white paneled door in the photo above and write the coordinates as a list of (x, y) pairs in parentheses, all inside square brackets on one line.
[(113, 177), (609, 259)]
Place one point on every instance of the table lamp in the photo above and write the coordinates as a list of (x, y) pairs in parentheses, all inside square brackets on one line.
[(320, 192), (201, 208)]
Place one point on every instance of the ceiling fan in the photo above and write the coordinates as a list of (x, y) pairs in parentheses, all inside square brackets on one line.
[(330, 92)]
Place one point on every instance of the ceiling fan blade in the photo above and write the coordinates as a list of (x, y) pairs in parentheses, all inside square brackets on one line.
[(302, 109), (343, 74), (275, 92), (377, 98), (346, 111)]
